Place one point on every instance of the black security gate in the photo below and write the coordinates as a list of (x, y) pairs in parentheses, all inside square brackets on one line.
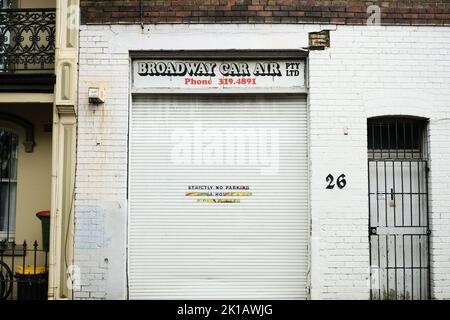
[(398, 209)]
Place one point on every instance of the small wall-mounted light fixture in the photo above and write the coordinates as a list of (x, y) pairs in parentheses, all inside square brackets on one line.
[(96, 95)]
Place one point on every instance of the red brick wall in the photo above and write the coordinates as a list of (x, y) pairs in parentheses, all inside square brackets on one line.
[(401, 12)]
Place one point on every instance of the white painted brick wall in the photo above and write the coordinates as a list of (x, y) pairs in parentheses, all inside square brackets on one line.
[(101, 182), (371, 72), (366, 72)]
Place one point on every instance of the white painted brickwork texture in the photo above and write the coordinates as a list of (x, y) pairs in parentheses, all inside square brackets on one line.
[(371, 72), (366, 72)]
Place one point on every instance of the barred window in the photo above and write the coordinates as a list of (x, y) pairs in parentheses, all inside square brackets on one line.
[(395, 137), (8, 183)]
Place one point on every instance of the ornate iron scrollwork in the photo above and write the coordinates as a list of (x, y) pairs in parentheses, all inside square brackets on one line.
[(27, 39)]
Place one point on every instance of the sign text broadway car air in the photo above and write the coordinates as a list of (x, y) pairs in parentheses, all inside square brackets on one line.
[(218, 75), (209, 69)]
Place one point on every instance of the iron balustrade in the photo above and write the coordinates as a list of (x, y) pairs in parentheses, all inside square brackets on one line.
[(27, 40), (23, 271)]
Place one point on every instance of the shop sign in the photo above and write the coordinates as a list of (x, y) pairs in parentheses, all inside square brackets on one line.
[(218, 76)]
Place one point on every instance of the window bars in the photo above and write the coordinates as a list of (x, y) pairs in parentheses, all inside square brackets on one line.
[(396, 138), (8, 183)]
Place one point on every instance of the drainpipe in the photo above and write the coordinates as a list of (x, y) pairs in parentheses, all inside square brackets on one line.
[(52, 281)]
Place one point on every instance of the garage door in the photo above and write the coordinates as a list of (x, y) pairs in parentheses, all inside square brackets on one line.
[(218, 197)]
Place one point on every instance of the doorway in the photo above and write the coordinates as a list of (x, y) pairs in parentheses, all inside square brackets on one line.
[(398, 209)]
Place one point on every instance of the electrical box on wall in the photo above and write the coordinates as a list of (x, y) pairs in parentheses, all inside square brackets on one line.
[(97, 95)]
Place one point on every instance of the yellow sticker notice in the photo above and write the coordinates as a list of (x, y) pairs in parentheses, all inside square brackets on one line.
[(219, 194), (238, 194), (198, 194), (219, 200)]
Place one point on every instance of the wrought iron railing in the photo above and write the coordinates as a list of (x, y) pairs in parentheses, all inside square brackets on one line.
[(23, 271), (27, 39)]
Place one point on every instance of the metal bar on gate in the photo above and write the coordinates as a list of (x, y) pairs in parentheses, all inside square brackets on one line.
[(22, 279), (394, 194), (418, 190), (373, 140), (410, 194), (413, 193), (412, 268), (404, 139), (381, 139), (378, 206), (388, 125), (385, 195), (428, 233), (387, 265), (420, 137), (393, 268), (395, 263), (379, 267), (403, 195), (370, 222), (35, 245), (423, 144), (404, 267), (396, 137), (35, 287), (420, 267)]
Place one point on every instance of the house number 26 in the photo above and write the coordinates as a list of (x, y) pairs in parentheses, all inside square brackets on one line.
[(340, 182)]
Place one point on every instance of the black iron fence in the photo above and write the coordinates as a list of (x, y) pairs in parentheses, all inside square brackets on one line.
[(23, 271), (27, 40)]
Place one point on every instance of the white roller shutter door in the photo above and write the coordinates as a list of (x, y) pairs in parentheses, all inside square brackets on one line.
[(182, 244)]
